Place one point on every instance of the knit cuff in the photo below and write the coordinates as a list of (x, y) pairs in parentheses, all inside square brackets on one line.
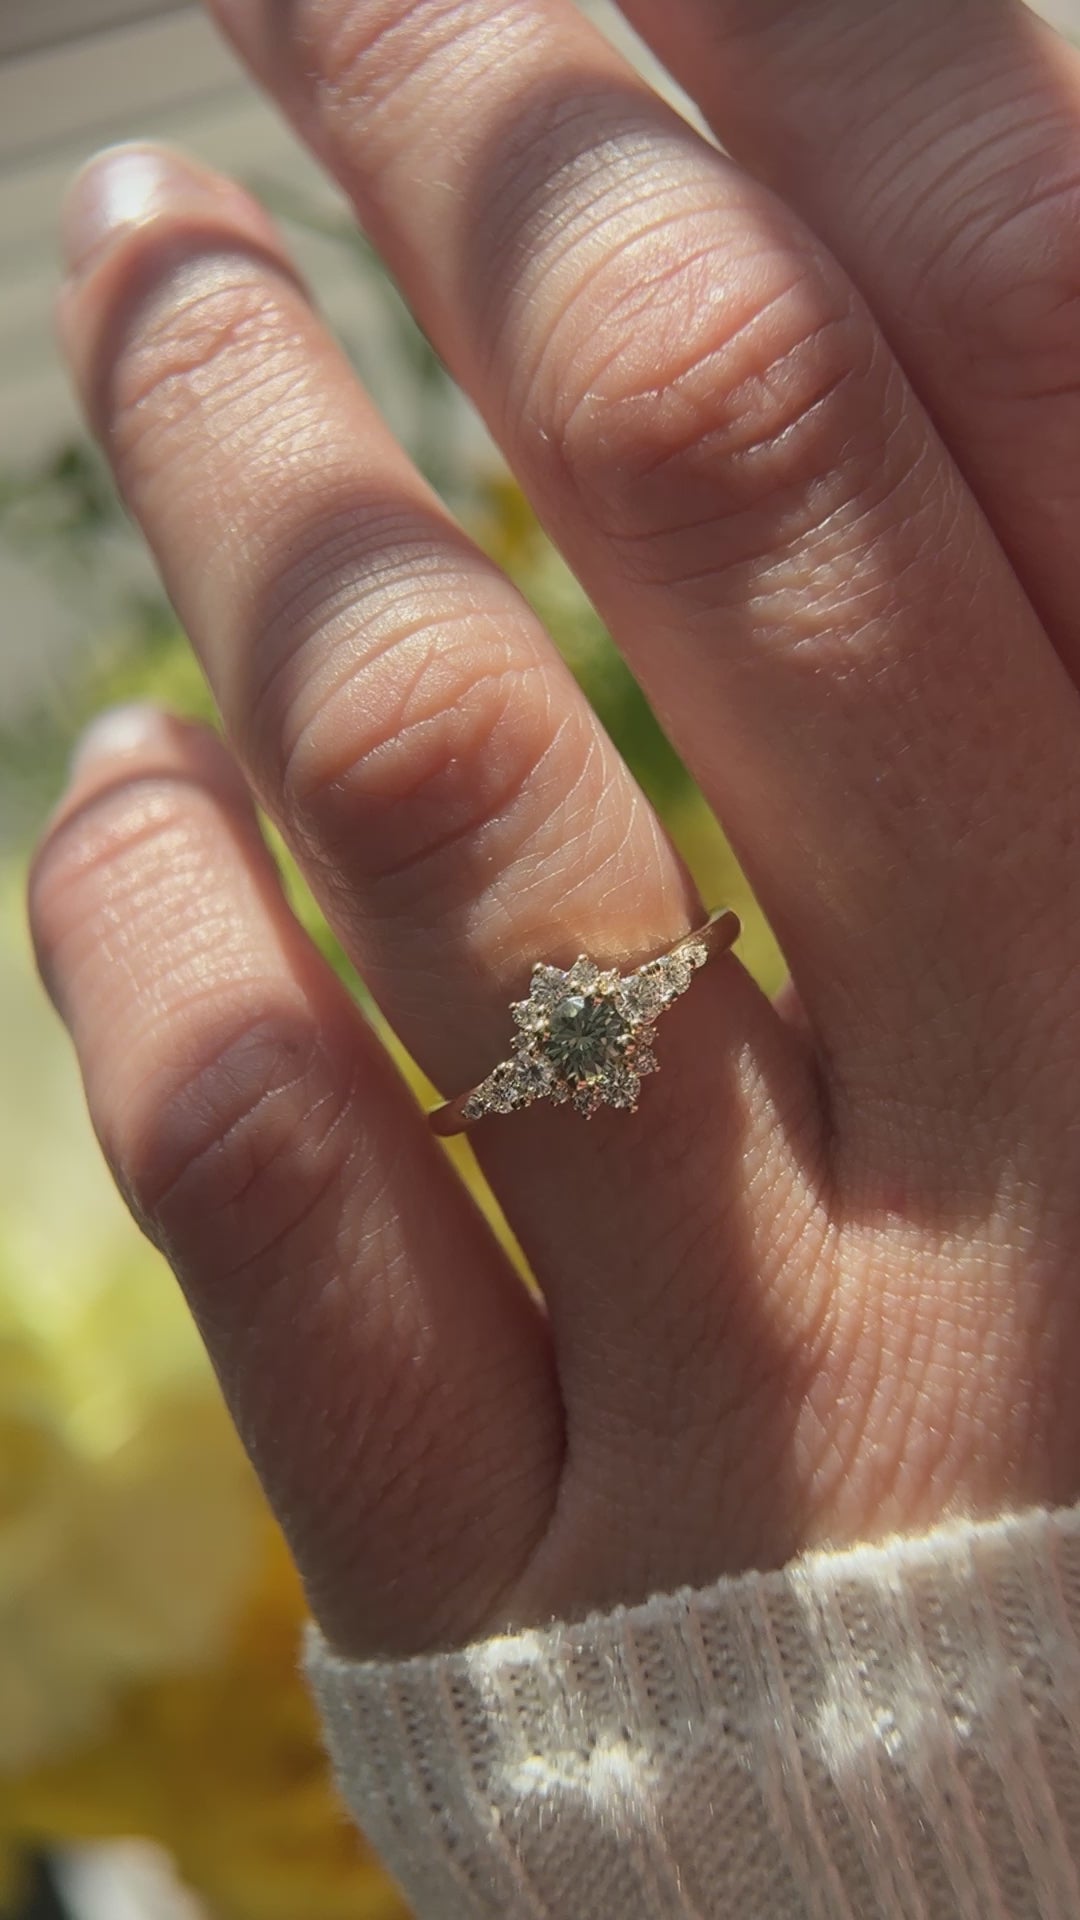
[(875, 1734)]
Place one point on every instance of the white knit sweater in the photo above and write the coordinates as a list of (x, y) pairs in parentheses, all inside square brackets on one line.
[(881, 1733)]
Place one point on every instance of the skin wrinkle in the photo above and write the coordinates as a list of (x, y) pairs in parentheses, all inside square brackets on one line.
[(578, 230), (956, 131), (504, 912), (587, 397), (754, 1362), (753, 427), (908, 1448), (119, 822), (232, 1135), (779, 433), (522, 874), (355, 655), (553, 359), (828, 609), (713, 1317), (360, 569), (572, 246), (979, 265), (922, 1437), (390, 766), (665, 438), (905, 1329), (417, 701), (399, 1463), (111, 856), (220, 1103), (362, 61), (973, 160), (844, 550), (944, 151), (1032, 801), (470, 838), (185, 346), (181, 999), (855, 41), (322, 1187), (169, 892), (707, 328)]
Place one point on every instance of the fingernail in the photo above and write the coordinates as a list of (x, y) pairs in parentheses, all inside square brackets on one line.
[(124, 187), (118, 731)]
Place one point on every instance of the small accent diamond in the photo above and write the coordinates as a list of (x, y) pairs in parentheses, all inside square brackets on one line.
[(622, 1089), (642, 995), (548, 985), (583, 975), (678, 973)]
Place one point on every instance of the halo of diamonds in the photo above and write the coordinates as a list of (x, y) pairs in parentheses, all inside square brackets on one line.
[(584, 1035)]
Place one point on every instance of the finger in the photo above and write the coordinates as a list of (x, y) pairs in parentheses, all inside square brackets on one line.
[(390, 1378), (397, 705), (953, 199), (719, 437), (461, 816)]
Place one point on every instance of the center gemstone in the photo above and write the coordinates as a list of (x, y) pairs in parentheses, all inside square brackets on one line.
[(584, 1035)]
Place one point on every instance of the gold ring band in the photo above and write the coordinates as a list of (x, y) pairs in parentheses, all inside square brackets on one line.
[(585, 1032)]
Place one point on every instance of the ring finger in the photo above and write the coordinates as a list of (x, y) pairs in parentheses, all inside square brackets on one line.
[(459, 811)]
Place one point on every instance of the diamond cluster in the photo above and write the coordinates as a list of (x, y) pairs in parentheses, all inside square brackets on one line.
[(585, 1035)]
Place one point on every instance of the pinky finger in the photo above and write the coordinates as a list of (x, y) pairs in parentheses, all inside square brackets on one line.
[(390, 1377)]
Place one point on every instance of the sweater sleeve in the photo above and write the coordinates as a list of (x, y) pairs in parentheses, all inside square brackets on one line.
[(884, 1733)]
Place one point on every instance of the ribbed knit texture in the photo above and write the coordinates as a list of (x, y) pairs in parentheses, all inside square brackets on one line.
[(881, 1733)]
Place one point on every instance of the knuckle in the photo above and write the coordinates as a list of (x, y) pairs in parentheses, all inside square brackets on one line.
[(375, 53), (222, 1108), (451, 752), (1005, 276), (126, 843), (752, 384), (209, 334), (403, 718), (226, 1163)]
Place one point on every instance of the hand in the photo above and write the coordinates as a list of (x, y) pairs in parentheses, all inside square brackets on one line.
[(825, 1284)]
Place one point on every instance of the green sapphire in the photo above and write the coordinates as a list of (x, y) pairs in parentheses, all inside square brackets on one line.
[(585, 1035)]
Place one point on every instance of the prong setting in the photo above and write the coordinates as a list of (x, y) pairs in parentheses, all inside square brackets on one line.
[(584, 1034)]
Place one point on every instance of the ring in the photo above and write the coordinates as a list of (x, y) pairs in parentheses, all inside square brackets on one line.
[(585, 1033)]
